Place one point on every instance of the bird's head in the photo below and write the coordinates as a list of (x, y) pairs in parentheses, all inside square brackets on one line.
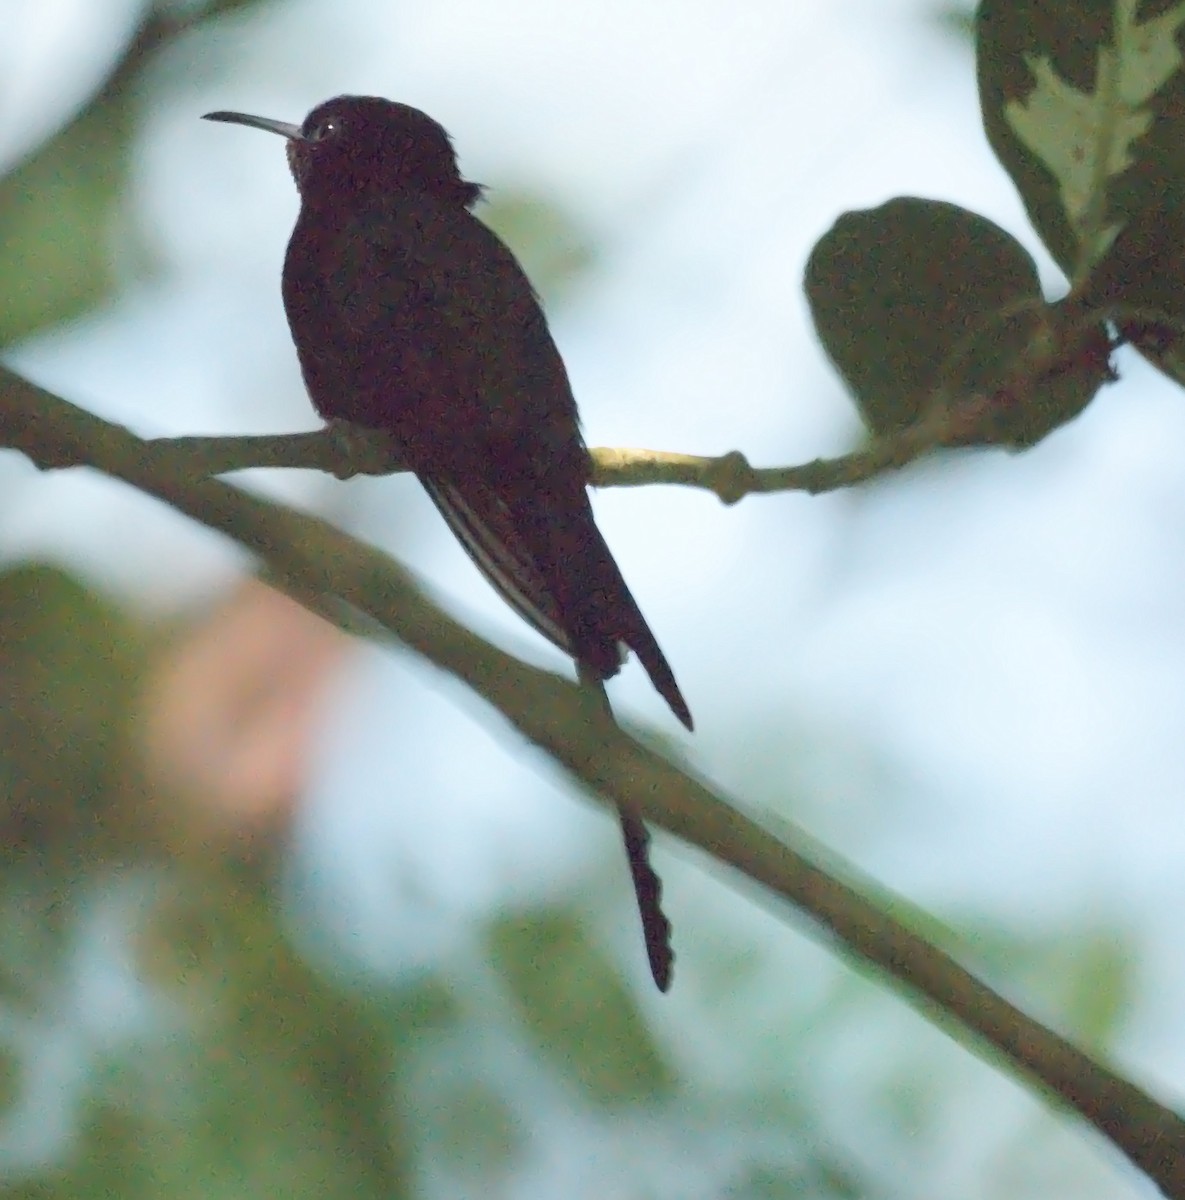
[(356, 143)]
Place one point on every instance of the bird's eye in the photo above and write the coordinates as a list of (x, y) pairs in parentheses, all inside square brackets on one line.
[(326, 127)]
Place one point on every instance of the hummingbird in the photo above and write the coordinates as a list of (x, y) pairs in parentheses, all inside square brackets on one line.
[(411, 316)]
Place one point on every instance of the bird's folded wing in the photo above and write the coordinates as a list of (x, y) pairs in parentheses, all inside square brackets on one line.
[(483, 523)]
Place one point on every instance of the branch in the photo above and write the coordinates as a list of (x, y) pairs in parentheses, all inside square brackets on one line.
[(344, 451), (309, 559), (732, 478)]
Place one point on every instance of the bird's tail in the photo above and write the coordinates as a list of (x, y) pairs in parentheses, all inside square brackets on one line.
[(656, 929), (550, 563), (643, 643)]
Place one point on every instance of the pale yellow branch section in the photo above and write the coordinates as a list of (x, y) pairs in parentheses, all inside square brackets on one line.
[(732, 478), (344, 451)]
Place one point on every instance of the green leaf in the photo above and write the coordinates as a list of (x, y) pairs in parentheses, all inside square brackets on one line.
[(553, 248), (57, 215), (1066, 362), (574, 1002), (1099, 971), (1084, 104), (795, 1182), (473, 1131), (69, 662), (280, 1083), (1087, 972), (918, 293)]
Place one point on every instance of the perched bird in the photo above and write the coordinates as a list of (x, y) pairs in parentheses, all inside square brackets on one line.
[(411, 316)]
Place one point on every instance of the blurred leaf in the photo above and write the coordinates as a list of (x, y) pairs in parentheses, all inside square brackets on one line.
[(553, 250), (11, 1078), (473, 1132), (60, 207), (575, 1004), (282, 1085), (176, 15), (899, 292), (1098, 970), (1086, 973), (31, 1190), (426, 1004), (69, 662), (788, 1154), (805, 1181), (57, 222)]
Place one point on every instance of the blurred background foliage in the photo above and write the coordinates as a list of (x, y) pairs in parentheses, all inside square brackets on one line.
[(170, 1025)]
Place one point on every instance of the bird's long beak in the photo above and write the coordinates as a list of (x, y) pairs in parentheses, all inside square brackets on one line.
[(283, 128)]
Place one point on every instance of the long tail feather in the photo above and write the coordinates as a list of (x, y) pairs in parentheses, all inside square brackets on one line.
[(656, 929), (555, 569), (642, 642)]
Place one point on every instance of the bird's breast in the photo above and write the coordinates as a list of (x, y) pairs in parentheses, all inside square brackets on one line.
[(424, 325)]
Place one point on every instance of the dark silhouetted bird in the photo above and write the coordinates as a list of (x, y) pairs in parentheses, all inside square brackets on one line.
[(411, 316)]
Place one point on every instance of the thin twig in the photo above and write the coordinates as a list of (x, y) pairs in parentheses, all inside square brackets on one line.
[(730, 476)]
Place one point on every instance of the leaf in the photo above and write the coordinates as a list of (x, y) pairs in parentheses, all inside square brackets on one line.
[(548, 240), (472, 1131), (69, 664), (581, 1014), (1087, 972), (57, 213), (278, 1082), (1098, 972), (900, 292), (1084, 104), (1065, 363), (60, 207)]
